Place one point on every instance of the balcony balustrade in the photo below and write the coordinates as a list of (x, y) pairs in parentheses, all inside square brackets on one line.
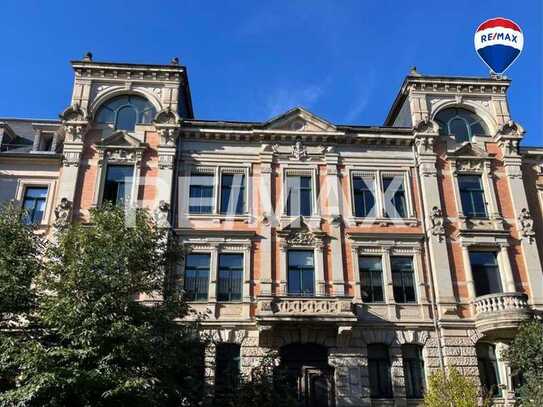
[(501, 311)]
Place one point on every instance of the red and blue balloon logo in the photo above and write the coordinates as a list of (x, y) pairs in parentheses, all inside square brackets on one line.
[(498, 42)]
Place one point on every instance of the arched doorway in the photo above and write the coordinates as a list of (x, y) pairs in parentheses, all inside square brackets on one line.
[(310, 376)]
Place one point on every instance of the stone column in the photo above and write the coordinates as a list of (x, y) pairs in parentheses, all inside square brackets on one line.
[(265, 223), (509, 137), (334, 190), (73, 148), (507, 277), (397, 373), (319, 268), (434, 219), (470, 286)]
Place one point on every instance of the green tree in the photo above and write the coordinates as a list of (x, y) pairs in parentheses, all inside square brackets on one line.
[(526, 359), (451, 389), (19, 265), (95, 345)]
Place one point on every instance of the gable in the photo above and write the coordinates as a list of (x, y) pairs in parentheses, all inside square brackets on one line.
[(470, 150), (299, 119), (121, 139)]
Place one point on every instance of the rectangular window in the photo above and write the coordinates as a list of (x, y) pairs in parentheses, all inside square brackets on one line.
[(201, 193), (301, 271), (227, 368), (197, 276), (403, 279), (299, 195), (371, 278), (472, 196), (379, 371), (488, 368), (413, 367), (230, 277), (118, 184), (394, 195), (34, 205), (232, 194), (486, 273), (364, 197)]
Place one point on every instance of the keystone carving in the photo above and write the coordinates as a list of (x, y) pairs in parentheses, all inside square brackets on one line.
[(63, 214), (426, 126), (73, 113), (167, 116), (526, 224)]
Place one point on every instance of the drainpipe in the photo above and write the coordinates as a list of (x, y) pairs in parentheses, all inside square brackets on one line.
[(429, 267)]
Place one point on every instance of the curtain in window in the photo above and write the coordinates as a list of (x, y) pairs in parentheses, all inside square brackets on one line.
[(371, 278), (197, 276), (230, 277), (403, 279)]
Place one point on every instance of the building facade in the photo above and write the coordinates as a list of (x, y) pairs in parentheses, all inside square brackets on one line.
[(366, 256)]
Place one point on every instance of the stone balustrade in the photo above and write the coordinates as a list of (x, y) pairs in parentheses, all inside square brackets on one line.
[(500, 311), (305, 307)]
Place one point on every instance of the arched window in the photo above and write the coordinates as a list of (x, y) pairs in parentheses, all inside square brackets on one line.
[(488, 368), (125, 111), (460, 123)]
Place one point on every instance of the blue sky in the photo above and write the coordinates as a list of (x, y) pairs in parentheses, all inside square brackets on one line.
[(249, 60)]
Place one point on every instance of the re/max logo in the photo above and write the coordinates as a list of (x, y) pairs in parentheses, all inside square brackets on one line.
[(496, 36)]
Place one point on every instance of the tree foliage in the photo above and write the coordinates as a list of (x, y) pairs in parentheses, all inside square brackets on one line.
[(526, 358), (92, 343), (451, 389)]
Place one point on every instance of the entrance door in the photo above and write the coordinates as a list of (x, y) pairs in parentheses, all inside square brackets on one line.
[(311, 378), (318, 387)]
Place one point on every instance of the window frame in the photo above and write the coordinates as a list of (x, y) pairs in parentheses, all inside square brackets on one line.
[(411, 379), (402, 280), (496, 267), (301, 272), (209, 276), (379, 193), (382, 272), (386, 390), (217, 172), (234, 365), (50, 184), (115, 112), (301, 172), (481, 191), (365, 175), (44, 199), (445, 127), (241, 278), (130, 184), (489, 365)]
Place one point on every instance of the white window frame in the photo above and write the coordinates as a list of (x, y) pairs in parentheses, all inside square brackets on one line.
[(217, 171), (377, 176), (214, 248), (303, 172), (24, 183)]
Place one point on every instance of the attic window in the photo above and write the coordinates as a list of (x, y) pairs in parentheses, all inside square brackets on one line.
[(125, 111), (460, 123), (45, 142)]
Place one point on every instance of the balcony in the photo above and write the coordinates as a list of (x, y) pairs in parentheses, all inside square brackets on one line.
[(324, 308), (498, 313)]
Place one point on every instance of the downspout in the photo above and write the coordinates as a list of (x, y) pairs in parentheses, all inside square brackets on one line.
[(429, 266)]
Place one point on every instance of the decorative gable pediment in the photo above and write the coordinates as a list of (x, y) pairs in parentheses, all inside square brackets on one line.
[(299, 119), (470, 151), (121, 139)]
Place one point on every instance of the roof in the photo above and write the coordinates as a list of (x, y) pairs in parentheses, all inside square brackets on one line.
[(415, 77), (24, 131)]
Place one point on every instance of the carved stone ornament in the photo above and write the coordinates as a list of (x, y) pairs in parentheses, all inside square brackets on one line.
[(469, 165), (526, 224), (161, 214), (165, 162), (299, 151), (123, 155), (71, 159), (511, 129), (301, 239), (63, 214), (73, 113), (167, 116), (438, 222), (426, 126)]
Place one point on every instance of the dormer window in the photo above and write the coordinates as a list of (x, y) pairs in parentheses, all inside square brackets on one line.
[(124, 112), (460, 123)]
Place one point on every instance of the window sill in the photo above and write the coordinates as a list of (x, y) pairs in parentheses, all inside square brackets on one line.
[(218, 218), (356, 221)]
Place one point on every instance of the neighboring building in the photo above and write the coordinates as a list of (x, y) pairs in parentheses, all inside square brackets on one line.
[(366, 255)]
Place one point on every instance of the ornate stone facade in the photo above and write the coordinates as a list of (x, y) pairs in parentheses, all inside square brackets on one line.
[(390, 200)]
